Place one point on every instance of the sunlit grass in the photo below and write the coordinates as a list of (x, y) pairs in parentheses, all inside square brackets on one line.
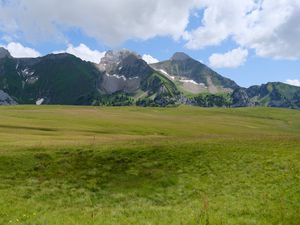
[(186, 165)]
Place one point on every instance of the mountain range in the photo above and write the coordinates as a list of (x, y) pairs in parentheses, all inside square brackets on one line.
[(124, 78)]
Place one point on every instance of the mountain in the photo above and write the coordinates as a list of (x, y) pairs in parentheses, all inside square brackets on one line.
[(273, 94), (67, 80), (193, 77), (124, 78), (125, 71), (52, 79)]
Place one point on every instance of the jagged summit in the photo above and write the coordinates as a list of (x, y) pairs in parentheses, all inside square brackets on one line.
[(115, 57), (125, 63), (180, 56), (4, 53)]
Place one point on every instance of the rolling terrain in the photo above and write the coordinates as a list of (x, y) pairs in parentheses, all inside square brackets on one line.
[(131, 165)]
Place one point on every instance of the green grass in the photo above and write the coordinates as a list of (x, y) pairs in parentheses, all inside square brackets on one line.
[(183, 166)]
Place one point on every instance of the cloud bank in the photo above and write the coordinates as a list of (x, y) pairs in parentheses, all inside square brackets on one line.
[(232, 59), (84, 52), (111, 21), (293, 82), (17, 50), (269, 27)]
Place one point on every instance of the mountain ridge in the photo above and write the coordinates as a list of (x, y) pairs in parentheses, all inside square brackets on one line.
[(124, 78)]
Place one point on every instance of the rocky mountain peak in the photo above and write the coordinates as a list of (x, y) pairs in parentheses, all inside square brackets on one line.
[(124, 63), (4, 53), (113, 58), (180, 56)]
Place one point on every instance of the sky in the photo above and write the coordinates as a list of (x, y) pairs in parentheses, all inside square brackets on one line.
[(249, 41)]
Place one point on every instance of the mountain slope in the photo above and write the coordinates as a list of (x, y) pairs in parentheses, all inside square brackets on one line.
[(194, 77), (273, 94), (124, 78), (125, 71), (66, 79), (53, 79)]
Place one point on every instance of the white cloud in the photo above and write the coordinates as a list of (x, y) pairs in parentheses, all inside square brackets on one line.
[(231, 59), (269, 27), (293, 82), (84, 52), (111, 21), (17, 50), (220, 20), (149, 59)]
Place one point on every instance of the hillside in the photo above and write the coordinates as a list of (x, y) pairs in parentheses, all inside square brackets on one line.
[(133, 165), (67, 80), (53, 79), (274, 94), (193, 76)]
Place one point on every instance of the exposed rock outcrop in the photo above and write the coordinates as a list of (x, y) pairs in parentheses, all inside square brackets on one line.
[(5, 99)]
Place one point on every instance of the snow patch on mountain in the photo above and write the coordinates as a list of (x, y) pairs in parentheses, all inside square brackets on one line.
[(191, 81), (166, 74)]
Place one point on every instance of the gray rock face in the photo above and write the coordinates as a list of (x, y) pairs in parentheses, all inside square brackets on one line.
[(114, 83), (5, 99), (4, 53), (123, 71), (180, 56), (112, 59), (124, 63)]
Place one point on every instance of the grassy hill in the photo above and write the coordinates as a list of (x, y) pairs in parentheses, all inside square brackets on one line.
[(130, 165)]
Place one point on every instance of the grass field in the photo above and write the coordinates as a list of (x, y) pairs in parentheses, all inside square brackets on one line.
[(184, 166)]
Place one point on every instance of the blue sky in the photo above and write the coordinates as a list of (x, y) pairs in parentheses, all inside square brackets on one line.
[(251, 42)]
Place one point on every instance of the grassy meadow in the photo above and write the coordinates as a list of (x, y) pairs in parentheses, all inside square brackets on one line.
[(64, 165)]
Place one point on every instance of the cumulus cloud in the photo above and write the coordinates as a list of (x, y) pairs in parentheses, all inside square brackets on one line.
[(231, 59), (293, 82), (269, 27), (220, 20), (17, 50), (111, 21), (84, 52), (150, 59)]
